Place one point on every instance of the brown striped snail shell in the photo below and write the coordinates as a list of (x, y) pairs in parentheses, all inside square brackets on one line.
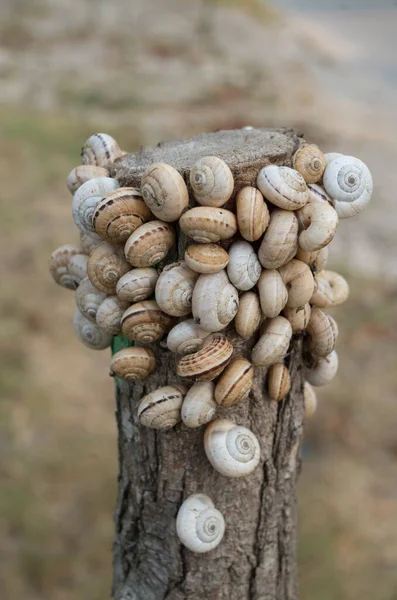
[(249, 315), (298, 279), (252, 213), (207, 224), (211, 181), (209, 362), (349, 183), (280, 241), (273, 293), (323, 370), (119, 214), (232, 450), (235, 383), (278, 382), (132, 363), (215, 301), (89, 241), (83, 173), (149, 244), (320, 222), (161, 409), (273, 344), (298, 317), (323, 332), (244, 268), (199, 525), (282, 186), (101, 150), (164, 191), (310, 162), (89, 333), (206, 258), (88, 299), (86, 198), (109, 314), (199, 406), (58, 266), (309, 400), (106, 264), (174, 289), (144, 322), (137, 285), (78, 267), (186, 337)]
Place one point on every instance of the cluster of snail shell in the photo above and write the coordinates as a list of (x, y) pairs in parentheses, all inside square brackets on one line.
[(260, 270)]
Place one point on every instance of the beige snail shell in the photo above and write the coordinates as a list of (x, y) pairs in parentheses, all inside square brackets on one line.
[(323, 370), (78, 267), (249, 315), (232, 450), (106, 264), (280, 241), (235, 383), (58, 266), (149, 244), (109, 314), (329, 156), (164, 191), (298, 317), (278, 382), (320, 221), (199, 525), (137, 285), (309, 400), (316, 259), (349, 183), (273, 344), (145, 322), (199, 406), (161, 409), (89, 333), (215, 301), (174, 289), (207, 363), (252, 213), (332, 289), (89, 241), (310, 162), (282, 186), (132, 363), (299, 281), (211, 181), (86, 198), (244, 268), (273, 293), (88, 299), (101, 150), (207, 224), (186, 337), (317, 193), (323, 332), (206, 258), (83, 173)]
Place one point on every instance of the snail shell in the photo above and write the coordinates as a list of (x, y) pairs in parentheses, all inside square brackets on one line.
[(215, 301), (298, 279), (318, 194), (235, 383), (249, 315), (278, 382), (144, 322), (309, 400), (109, 314), (161, 409), (78, 267), (89, 333), (174, 289), (186, 337), (119, 213), (282, 186), (280, 241), (349, 183), (323, 371), (137, 285), (317, 259), (106, 264), (232, 450), (101, 150), (273, 344), (244, 268), (332, 289), (272, 293), (329, 156), (86, 198), (212, 181), (323, 332), (83, 173), (206, 224), (310, 162), (88, 299), (206, 258), (320, 221), (298, 317), (132, 363), (199, 525), (164, 191), (199, 406), (209, 362), (252, 213), (89, 241), (149, 244), (58, 265)]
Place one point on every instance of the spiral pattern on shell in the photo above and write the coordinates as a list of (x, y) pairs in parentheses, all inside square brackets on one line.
[(89, 333), (349, 183), (212, 181), (86, 198), (232, 450), (100, 149), (58, 266), (106, 264), (164, 191), (199, 525)]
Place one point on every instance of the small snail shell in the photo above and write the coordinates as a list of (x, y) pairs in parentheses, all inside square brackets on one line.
[(199, 525), (235, 383), (249, 315), (244, 268), (149, 244), (318, 194), (329, 156), (86, 198), (206, 258), (161, 409), (273, 344), (215, 301), (323, 332), (310, 162), (78, 267), (272, 293), (349, 183), (174, 289), (252, 213), (298, 317), (309, 400), (212, 181), (332, 289), (83, 173), (109, 314), (320, 221), (232, 450), (100, 149), (144, 322), (282, 186), (280, 241), (199, 406), (206, 224), (132, 363), (89, 241), (119, 213), (88, 299), (317, 259), (106, 264), (89, 333), (278, 382), (209, 362), (299, 281), (323, 371), (186, 337), (164, 191), (137, 285), (58, 265)]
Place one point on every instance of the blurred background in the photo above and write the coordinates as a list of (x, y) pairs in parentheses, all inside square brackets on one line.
[(150, 70)]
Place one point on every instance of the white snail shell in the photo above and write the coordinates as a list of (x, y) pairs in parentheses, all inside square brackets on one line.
[(137, 285), (278, 382), (298, 279), (252, 213), (349, 183), (273, 293), (83, 173), (320, 221), (199, 525), (209, 362), (215, 301), (232, 450), (149, 244), (199, 406), (174, 289), (88, 299), (58, 266), (89, 241), (164, 191), (212, 181), (280, 241), (101, 150), (206, 258), (249, 315), (323, 371), (89, 333), (332, 289), (132, 363), (145, 322), (119, 214), (186, 337), (318, 194), (273, 344), (86, 198), (282, 186), (207, 224), (109, 313), (78, 267), (298, 316), (309, 400), (161, 409), (106, 264), (310, 162), (323, 332), (244, 268), (235, 383)]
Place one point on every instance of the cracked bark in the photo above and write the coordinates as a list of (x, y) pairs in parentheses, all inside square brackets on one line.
[(256, 559)]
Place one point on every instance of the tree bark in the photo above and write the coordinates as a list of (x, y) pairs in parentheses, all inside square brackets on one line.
[(159, 469)]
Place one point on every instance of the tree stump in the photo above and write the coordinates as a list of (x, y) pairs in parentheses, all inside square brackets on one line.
[(159, 469)]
